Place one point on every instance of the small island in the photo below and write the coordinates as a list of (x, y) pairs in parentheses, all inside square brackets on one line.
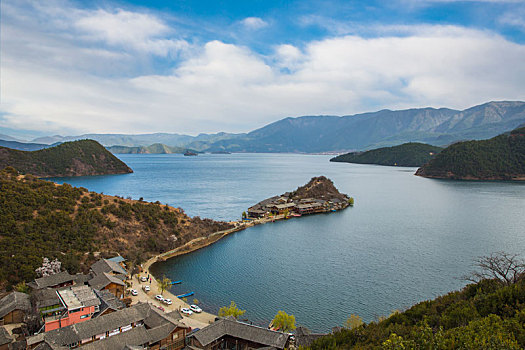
[(410, 154), (76, 158), (499, 158), (319, 195)]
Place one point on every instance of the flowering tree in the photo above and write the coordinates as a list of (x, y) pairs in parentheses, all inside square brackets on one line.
[(48, 268)]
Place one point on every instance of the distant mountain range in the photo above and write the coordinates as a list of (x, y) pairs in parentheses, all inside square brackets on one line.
[(156, 148), (317, 134)]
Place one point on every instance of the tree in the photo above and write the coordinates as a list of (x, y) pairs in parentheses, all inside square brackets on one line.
[(196, 301), (283, 321), (351, 201), (164, 284), (354, 321), (231, 310), (48, 268), (244, 215), (504, 267)]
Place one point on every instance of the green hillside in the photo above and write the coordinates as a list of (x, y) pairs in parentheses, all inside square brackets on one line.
[(156, 148), (499, 158), (487, 315), (77, 158), (408, 154), (41, 219)]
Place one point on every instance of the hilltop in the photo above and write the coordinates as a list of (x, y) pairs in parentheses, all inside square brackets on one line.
[(77, 158), (156, 148), (499, 158), (408, 154), (42, 219)]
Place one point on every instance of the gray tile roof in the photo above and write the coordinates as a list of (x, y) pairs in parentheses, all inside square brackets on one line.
[(5, 337), (241, 330), (45, 297), (14, 301), (105, 265), (52, 280), (305, 338), (108, 301), (140, 312), (103, 279)]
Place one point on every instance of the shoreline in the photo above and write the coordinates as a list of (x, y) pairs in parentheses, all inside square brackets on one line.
[(189, 247)]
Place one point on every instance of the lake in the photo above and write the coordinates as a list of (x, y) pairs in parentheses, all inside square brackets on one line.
[(407, 238)]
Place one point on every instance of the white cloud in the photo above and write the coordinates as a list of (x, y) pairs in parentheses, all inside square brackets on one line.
[(515, 19), (254, 23), (53, 81)]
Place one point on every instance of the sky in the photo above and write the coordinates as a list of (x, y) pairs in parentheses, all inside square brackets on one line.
[(203, 66)]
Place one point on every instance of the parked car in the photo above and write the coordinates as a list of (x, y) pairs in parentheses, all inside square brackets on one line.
[(159, 297), (195, 308), (146, 288), (167, 301), (134, 292), (186, 311), (143, 279)]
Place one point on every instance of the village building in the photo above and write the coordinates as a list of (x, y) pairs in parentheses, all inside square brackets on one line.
[(5, 339), (57, 280), (108, 303), (227, 333), (14, 308), (110, 267), (109, 282), (141, 325), (79, 304)]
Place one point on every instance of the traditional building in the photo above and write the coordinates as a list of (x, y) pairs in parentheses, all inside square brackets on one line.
[(109, 282), (228, 333), (57, 280), (14, 307), (110, 267), (141, 325), (79, 304), (5, 339)]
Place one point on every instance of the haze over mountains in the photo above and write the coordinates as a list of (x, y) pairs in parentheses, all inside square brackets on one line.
[(313, 134)]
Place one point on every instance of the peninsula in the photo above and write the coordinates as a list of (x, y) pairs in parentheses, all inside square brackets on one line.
[(156, 148), (76, 158), (410, 154), (499, 158), (319, 195)]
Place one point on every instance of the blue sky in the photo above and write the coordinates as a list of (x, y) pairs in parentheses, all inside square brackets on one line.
[(71, 67)]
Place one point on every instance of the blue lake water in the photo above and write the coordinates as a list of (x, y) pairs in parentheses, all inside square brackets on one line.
[(407, 238)]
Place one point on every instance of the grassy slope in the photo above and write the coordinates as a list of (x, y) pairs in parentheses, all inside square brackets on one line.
[(407, 154), (499, 158), (486, 315), (41, 219), (77, 158)]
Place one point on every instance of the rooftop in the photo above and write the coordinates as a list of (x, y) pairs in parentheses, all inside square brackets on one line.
[(14, 301), (232, 328), (77, 297), (52, 280)]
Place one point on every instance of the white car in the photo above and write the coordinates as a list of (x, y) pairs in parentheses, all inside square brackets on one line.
[(134, 292), (144, 279), (146, 288), (195, 308), (167, 301), (159, 297), (186, 311)]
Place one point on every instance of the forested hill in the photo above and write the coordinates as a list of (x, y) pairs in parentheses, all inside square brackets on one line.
[(41, 219), (499, 158), (77, 158), (488, 315), (408, 154), (156, 148)]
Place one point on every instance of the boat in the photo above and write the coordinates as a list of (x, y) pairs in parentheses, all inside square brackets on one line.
[(185, 295), (190, 153), (176, 282)]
